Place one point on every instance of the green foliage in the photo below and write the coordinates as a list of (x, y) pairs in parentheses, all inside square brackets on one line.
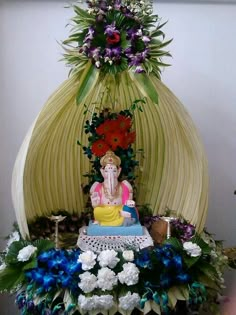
[(87, 82), (12, 275), (10, 278), (175, 243), (144, 83)]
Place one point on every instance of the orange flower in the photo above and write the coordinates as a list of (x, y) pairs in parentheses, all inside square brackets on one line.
[(115, 140), (129, 139), (106, 127), (99, 147), (123, 123)]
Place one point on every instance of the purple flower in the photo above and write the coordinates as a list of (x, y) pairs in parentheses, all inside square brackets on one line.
[(132, 34), (111, 29), (117, 4), (90, 35), (103, 5), (128, 51), (183, 229), (145, 53), (136, 59), (146, 39), (94, 53), (113, 52), (139, 69)]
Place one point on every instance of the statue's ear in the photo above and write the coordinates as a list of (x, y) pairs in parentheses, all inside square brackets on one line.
[(118, 171)]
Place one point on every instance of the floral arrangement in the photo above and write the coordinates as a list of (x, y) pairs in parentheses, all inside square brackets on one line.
[(116, 35), (111, 131), (113, 36), (69, 281)]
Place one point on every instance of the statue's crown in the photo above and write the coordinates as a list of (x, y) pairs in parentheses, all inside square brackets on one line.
[(110, 158)]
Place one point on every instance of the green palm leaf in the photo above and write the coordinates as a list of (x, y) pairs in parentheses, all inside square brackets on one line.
[(10, 278), (88, 80), (145, 85), (43, 245), (82, 14)]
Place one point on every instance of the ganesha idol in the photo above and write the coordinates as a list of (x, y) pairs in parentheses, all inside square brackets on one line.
[(114, 209)]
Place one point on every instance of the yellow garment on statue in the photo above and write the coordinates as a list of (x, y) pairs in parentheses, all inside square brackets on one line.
[(108, 215)]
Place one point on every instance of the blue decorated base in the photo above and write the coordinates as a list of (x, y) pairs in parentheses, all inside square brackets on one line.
[(98, 230)]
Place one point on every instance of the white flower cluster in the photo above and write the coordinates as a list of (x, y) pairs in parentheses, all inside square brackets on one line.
[(108, 258), (106, 278), (95, 302), (88, 282), (87, 259), (129, 275), (26, 252), (129, 301), (192, 249), (128, 255)]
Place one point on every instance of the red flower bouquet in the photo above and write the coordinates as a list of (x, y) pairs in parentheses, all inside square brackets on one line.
[(113, 133)]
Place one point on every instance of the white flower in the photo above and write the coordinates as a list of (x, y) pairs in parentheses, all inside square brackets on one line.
[(15, 236), (98, 64), (104, 301), (129, 301), (128, 255), (129, 275), (107, 258), (26, 252), (88, 260), (192, 249), (106, 279), (2, 266), (95, 302), (86, 303), (88, 282)]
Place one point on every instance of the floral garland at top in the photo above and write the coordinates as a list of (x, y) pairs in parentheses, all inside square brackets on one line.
[(116, 35), (113, 36)]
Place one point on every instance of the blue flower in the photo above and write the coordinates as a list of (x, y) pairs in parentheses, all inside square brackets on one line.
[(73, 267), (47, 255), (48, 282), (183, 277), (66, 280), (165, 280), (144, 260)]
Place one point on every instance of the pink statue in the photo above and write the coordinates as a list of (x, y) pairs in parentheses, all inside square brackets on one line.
[(111, 199)]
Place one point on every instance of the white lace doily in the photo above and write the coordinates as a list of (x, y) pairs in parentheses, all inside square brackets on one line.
[(118, 243)]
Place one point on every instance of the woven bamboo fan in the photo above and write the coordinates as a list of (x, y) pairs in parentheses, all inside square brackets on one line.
[(48, 174)]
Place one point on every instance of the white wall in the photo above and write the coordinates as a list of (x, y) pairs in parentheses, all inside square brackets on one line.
[(203, 76)]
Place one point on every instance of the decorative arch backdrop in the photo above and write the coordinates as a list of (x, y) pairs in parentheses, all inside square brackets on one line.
[(202, 76)]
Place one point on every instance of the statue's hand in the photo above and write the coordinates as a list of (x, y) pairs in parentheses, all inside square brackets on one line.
[(125, 214), (130, 203), (95, 199)]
